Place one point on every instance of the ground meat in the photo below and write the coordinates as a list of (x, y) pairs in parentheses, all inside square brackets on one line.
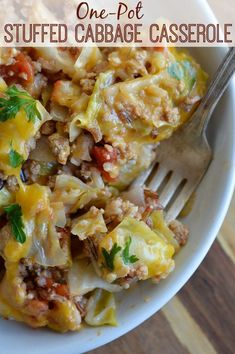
[(118, 209), (152, 200), (5, 236), (170, 115), (126, 282), (180, 231), (134, 275), (38, 84), (85, 171), (31, 170), (127, 112), (88, 83), (189, 102), (12, 184), (51, 182), (44, 283), (48, 128), (60, 147), (81, 303)]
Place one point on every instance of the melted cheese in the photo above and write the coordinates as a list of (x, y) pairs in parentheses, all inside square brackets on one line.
[(18, 132), (32, 199)]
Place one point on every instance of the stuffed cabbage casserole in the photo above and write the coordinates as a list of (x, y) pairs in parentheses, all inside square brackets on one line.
[(77, 126)]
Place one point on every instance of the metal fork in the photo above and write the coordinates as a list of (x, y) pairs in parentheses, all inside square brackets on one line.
[(182, 161)]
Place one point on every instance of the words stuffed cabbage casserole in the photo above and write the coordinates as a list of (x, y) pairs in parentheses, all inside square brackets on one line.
[(77, 126)]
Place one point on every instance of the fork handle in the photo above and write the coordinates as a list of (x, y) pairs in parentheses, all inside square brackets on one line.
[(216, 89)]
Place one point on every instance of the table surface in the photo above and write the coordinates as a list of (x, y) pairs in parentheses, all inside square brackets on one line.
[(201, 318)]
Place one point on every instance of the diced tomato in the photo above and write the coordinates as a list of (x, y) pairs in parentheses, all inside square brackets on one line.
[(107, 176), (49, 283), (103, 155), (21, 71), (158, 49), (62, 290)]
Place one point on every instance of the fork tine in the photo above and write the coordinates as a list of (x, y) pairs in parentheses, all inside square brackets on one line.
[(140, 181), (158, 178), (170, 189), (180, 201)]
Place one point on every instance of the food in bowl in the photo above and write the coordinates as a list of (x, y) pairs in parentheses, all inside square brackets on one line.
[(77, 126)]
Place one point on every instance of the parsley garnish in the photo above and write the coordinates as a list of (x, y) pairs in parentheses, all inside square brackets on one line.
[(14, 214), (126, 253), (109, 257), (15, 159), (16, 100)]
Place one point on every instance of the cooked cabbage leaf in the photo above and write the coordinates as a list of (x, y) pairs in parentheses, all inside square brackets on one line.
[(148, 249), (41, 221), (6, 198), (20, 131), (73, 192), (101, 309), (89, 224), (161, 229), (88, 120), (46, 249), (82, 279)]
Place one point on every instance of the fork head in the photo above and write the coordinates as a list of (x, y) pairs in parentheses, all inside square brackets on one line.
[(180, 164)]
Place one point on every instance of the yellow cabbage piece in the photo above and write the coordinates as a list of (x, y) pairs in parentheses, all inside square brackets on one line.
[(150, 108), (6, 198), (151, 253), (88, 58), (38, 198), (132, 168), (82, 279), (101, 309), (58, 59), (89, 224), (73, 193), (160, 227), (88, 120), (142, 99), (19, 131), (40, 223), (46, 249)]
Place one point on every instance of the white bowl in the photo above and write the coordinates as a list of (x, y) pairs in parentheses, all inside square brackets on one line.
[(212, 201)]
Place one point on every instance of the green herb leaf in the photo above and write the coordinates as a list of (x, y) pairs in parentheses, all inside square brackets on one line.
[(176, 71), (15, 159), (126, 253), (183, 70), (14, 215), (109, 257), (16, 100)]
